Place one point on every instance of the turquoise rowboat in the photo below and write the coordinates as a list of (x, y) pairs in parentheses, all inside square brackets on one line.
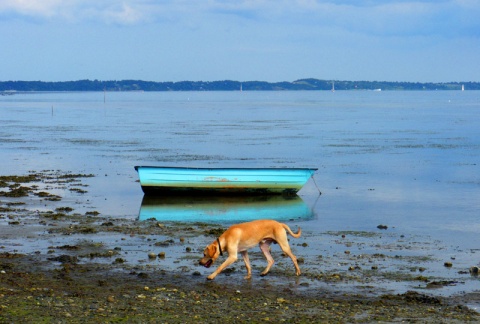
[(248, 181)]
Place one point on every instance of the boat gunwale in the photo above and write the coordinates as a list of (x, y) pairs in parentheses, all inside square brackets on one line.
[(229, 168)]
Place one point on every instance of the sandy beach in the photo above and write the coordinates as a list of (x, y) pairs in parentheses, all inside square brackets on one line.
[(63, 266)]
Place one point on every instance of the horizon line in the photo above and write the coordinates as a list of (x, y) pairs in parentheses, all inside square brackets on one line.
[(231, 80)]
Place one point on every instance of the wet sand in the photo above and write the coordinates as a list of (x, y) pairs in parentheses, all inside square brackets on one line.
[(59, 264)]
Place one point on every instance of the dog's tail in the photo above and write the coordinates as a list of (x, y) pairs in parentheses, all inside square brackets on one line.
[(297, 235)]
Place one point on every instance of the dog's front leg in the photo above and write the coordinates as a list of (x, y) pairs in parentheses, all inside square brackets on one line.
[(265, 247), (231, 259), (247, 264)]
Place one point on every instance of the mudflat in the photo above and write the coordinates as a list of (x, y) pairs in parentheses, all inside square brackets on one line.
[(59, 265)]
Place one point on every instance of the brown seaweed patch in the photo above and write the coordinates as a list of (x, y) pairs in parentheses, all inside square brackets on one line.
[(16, 203), (5, 180), (353, 233), (215, 231), (48, 196), (54, 216), (7, 255), (78, 190), (76, 175), (90, 249), (42, 194), (413, 297), (6, 209), (76, 229), (64, 209), (16, 191), (67, 247)]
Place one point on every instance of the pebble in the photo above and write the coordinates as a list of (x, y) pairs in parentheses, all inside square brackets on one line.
[(152, 255)]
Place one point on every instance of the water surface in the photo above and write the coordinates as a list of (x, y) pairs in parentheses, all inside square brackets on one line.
[(408, 160)]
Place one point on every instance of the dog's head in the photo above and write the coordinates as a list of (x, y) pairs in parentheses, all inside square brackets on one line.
[(210, 254)]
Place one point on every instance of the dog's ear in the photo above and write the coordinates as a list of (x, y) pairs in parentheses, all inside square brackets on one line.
[(212, 249)]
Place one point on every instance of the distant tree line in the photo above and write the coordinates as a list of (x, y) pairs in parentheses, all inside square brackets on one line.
[(226, 85)]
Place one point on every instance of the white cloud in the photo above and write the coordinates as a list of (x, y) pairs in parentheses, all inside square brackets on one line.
[(108, 11), (124, 14), (377, 17), (36, 8)]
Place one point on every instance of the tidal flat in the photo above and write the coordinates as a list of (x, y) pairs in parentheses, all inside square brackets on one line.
[(61, 265)]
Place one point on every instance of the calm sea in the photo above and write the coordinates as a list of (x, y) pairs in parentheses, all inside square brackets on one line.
[(408, 160)]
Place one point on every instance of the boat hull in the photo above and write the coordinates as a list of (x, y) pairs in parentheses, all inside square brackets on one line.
[(247, 181)]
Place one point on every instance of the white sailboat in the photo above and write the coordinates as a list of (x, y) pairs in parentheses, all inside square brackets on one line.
[(333, 86)]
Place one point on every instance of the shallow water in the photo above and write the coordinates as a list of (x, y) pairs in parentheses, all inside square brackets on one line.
[(408, 160)]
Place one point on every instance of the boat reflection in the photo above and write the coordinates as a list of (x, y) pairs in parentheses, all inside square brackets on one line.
[(226, 209)]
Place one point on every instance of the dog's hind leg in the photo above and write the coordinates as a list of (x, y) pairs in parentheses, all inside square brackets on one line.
[(247, 264), (265, 247), (286, 249)]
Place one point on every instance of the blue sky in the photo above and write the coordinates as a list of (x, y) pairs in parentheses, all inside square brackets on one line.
[(267, 40)]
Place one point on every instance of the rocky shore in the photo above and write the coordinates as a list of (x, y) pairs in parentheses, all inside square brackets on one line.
[(59, 265)]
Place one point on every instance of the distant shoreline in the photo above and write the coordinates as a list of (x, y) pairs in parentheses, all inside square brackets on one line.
[(13, 87)]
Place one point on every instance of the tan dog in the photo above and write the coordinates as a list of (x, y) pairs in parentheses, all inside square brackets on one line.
[(241, 237)]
